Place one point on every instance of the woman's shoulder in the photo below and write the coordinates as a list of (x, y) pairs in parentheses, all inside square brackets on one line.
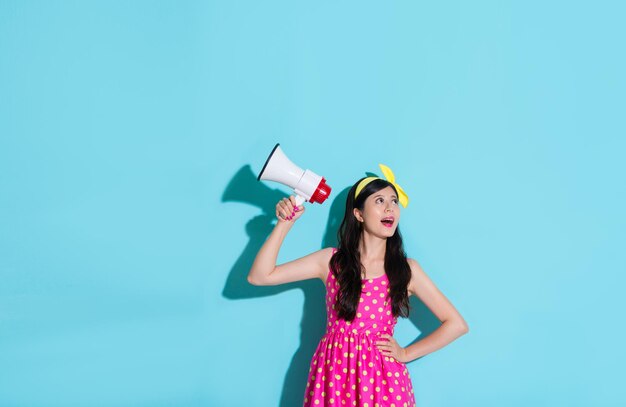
[(330, 252), (415, 266), (418, 276), (324, 251), (412, 262), (323, 256), (327, 250), (326, 254)]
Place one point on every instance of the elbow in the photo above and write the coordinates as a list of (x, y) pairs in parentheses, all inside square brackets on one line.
[(252, 280), (255, 281), (260, 279), (459, 326)]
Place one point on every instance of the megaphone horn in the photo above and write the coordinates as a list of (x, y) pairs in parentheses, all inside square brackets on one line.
[(307, 185)]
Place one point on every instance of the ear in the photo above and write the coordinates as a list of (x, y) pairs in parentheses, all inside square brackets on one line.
[(357, 215)]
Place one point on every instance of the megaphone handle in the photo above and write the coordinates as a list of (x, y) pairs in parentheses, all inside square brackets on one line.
[(300, 200)]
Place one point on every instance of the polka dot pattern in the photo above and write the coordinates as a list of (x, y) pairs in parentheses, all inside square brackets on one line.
[(347, 369)]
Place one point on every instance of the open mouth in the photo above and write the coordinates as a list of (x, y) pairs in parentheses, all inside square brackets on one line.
[(388, 222)]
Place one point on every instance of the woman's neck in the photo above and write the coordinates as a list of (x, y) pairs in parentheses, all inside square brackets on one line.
[(372, 247)]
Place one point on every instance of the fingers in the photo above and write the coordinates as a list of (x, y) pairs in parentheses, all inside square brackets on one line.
[(387, 344), (286, 208), (292, 204), (388, 347), (282, 212), (280, 215)]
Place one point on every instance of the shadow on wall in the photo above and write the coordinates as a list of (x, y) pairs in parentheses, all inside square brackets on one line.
[(244, 187)]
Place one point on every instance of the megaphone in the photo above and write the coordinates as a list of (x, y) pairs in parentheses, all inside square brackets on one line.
[(307, 185)]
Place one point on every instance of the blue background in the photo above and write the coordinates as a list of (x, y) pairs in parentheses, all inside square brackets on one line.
[(131, 134)]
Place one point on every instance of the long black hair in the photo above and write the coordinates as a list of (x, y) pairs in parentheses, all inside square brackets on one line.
[(346, 262)]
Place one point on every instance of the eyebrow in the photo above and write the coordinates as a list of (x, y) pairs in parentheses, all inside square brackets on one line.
[(392, 195)]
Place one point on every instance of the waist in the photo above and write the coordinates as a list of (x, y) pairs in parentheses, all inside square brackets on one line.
[(356, 332)]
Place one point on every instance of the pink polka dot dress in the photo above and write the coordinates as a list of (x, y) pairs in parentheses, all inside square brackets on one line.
[(347, 369)]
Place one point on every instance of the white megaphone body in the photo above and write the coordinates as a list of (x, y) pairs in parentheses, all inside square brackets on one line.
[(307, 185)]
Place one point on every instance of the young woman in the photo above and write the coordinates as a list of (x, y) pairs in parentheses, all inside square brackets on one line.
[(368, 281)]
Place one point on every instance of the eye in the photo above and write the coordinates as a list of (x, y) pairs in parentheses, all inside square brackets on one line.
[(379, 199), (395, 201)]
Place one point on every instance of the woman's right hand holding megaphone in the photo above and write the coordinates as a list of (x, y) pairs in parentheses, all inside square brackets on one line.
[(287, 210)]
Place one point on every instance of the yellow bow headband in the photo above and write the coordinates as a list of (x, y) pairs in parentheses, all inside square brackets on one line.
[(403, 198)]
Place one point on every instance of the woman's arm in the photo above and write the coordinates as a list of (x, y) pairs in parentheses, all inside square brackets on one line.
[(264, 270), (453, 325)]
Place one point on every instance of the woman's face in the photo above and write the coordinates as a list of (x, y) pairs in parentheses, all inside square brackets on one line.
[(380, 214)]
